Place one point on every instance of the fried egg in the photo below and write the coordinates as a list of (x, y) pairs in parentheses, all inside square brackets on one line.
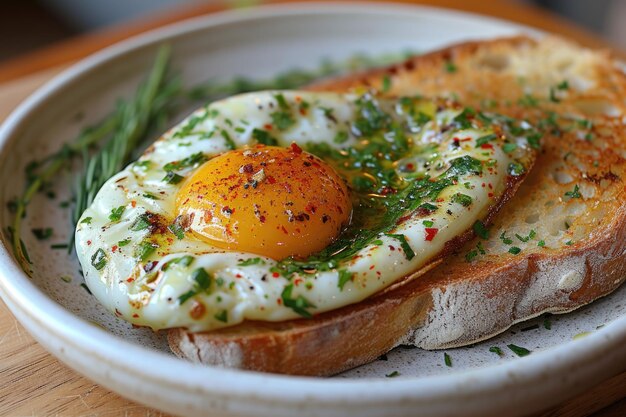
[(278, 205)]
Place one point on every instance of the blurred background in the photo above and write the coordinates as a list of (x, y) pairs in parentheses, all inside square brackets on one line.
[(27, 25)]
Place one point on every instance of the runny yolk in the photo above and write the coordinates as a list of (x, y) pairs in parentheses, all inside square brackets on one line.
[(266, 200)]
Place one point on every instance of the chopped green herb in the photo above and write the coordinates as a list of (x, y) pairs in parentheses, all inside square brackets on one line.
[(516, 169), (541, 243), (569, 243), (428, 223), (528, 101), (519, 351), (563, 85), (393, 374), (116, 213), (196, 158), (222, 316), (547, 324), (408, 251), (505, 239), (469, 256), (341, 137), (177, 230), (344, 277), (141, 223), (263, 137), (59, 246), (86, 220), (496, 350), (186, 296), (144, 250), (282, 103), (428, 207), (201, 278), (534, 140), (172, 178), (183, 261), (251, 261), (123, 243), (298, 304), (43, 234), (99, 259), (450, 67), (575, 193), (386, 83), (480, 229), (447, 360), (462, 199), (230, 143), (143, 165), (150, 196), (514, 250), (553, 97), (509, 147), (282, 120), (483, 140)]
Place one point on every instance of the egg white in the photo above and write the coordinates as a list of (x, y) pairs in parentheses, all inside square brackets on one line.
[(145, 294)]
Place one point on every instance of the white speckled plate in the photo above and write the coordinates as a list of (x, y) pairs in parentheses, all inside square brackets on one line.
[(137, 364)]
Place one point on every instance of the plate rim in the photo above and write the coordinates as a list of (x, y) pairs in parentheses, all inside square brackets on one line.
[(21, 294)]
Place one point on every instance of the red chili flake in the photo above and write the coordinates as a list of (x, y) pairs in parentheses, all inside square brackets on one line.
[(298, 281), (262, 218), (271, 180), (490, 195), (136, 315), (440, 200), (372, 267), (391, 247), (387, 190), (114, 248), (88, 242), (466, 140), (238, 276), (295, 148), (279, 301), (131, 279), (490, 186), (310, 208), (133, 203), (268, 126), (431, 232), (247, 168), (275, 274), (486, 146), (483, 185), (284, 230)]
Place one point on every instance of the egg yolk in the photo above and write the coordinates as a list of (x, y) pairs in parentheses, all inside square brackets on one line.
[(271, 201)]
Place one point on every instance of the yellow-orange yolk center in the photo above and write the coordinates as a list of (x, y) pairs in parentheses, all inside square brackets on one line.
[(266, 200)]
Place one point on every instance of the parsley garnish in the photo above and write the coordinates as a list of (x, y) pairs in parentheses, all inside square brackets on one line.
[(480, 229), (86, 220), (575, 193), (116, 213), (504, 239), (340, 137), (408, 251), (184, 261), (282, 103), (263, 137), (514, 250), (519, 351), (450, 67), (202, 282), (298, 304), (251, 261), (344, 277), (528, 101), (483, 140), (191, 160), (43, 234), (386, 83), (144, 250), (462, 199), (282, 120), (177, 230), (393, 374), (141, 223), (222, 316), (541, 243), (99, 259), (123, 243), (516, 169), (496, 350), (509, 147), (172, 178), (447, 360)]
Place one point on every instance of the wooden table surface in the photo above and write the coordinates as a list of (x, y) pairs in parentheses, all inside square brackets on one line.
[(34, 383)]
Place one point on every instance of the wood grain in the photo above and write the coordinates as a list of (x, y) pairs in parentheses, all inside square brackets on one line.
[(34, 383)]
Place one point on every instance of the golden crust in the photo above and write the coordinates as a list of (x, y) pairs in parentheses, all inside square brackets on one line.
[(459, 302)]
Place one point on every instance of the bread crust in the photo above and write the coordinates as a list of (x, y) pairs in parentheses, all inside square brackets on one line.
[(457, 302)]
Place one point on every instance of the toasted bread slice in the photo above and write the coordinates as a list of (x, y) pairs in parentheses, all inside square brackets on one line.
[(557, 245)]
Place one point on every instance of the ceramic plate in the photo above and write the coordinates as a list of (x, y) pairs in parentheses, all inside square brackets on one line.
[(136, 363)]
